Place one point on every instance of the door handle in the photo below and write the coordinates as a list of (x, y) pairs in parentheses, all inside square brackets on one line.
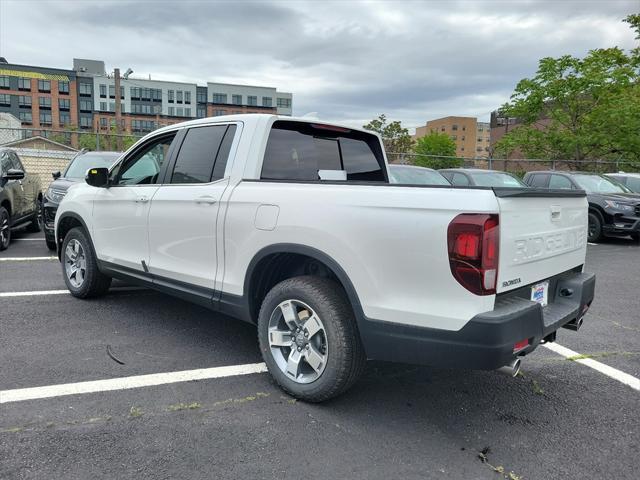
[(206, 199), (142, 199)]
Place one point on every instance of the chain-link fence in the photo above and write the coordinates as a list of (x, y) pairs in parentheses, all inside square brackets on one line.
[(516, 166), (105, 140)]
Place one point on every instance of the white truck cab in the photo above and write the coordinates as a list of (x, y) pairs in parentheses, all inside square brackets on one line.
[(292, 224)]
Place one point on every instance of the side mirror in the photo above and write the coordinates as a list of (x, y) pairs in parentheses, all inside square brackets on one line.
[(56, 175), (13, 174), (98, 177)]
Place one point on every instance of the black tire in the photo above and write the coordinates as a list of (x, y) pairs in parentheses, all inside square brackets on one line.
[(36, 222), (51, 244), (345, 358), (595, 228), (94, 283), (635, 237), (5, 228)]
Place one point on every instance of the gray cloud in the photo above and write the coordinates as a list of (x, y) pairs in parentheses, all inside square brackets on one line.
[(348, 61)]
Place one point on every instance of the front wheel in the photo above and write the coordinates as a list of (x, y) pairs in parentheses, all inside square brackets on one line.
[(309, 338), (36, 222), (595, 228), (5, 228), (80, 266)]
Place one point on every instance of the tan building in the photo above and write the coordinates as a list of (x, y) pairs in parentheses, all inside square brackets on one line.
[(472, 138)]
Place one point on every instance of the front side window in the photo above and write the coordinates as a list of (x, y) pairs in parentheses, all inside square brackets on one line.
[(202, 157), (143, 167), (298, 151), (558, 181), (460, 179)]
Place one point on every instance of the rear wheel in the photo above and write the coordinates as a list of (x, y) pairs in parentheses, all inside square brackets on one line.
[(51, 244), (36, 222), (309, 338), (80, 266), (5, 228), (595, 228)]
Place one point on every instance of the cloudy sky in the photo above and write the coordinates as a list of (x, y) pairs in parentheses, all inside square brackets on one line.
[(345, 60)]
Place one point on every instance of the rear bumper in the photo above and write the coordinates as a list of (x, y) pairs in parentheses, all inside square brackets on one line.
[(486, 341)]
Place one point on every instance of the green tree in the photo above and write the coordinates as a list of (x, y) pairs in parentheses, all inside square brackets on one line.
[(87, 141), (579, 108), (396, 139), (441, 151)]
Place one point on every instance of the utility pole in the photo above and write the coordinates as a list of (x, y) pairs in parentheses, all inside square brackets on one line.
[(116, 74)]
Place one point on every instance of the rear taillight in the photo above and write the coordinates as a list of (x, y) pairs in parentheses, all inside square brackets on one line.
[(473, 241)]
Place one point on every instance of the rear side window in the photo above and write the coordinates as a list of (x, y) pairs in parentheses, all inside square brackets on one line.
[(298, 150), (539, 180), (199, 154)]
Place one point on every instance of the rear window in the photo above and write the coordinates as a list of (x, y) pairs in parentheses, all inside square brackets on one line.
[(298, 150)]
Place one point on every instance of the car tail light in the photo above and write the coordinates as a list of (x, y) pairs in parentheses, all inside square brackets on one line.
[(520, 345), (473, 241)]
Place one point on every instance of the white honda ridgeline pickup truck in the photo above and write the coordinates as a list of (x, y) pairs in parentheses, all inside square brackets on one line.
[(292, 224)]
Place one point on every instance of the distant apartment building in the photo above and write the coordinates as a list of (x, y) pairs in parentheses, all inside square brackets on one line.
[(85, 98), (472, 138)]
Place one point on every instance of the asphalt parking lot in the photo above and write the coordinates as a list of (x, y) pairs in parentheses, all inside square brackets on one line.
[(559, 419)]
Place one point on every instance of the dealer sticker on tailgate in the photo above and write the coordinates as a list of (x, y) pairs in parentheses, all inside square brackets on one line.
[(540, 293)]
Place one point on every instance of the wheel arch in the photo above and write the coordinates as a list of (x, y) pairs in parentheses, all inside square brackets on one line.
[(278, 262), (66, 222), (6, 203)]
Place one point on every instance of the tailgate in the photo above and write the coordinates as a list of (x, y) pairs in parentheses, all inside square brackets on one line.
[(542, 233)]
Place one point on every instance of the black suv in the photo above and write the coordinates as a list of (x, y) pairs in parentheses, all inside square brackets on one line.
[(20, 197), (613, 209), (75, 172)]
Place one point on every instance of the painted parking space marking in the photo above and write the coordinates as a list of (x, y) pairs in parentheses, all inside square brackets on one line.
[(614, 373), (25, 259), (27, 239), (33, 294), (125, 383)]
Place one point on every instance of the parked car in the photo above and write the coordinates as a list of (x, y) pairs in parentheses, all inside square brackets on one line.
[(20, 197), (465, 177), (613, 209), (74, 173), (292, 224), (629, 180), (412, 175)]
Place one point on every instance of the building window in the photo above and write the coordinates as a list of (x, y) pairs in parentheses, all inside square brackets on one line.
[(172, 111), (284, 102), (442, 129), (454, 137), (45, 118), (454, 127), (267, 101), (25, 117), (219, 98), (64, 104), (63, 87), (24, 101), (44, 86), (480, 139), (201, 97), (4, 82), (103, 91), (187, 112), (85, 106), (170, 95), (142, 109), (65, 118), (236, 99), (103, 106), (463, 137), (252, 101), (45, 103), (85, 122), (201, 112), (178, 96), (140, 126), (104, 122), (85, 90), (464, 128), (180, 111), (24, 84), (219, 113), (187, 97), (5, 100)]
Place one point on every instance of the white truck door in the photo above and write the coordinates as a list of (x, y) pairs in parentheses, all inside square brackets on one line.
[(120, 212), (184, 212)]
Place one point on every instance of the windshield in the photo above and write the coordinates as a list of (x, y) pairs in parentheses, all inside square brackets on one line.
[(79, 166), (598, 184), (416, 176), (496, 179)]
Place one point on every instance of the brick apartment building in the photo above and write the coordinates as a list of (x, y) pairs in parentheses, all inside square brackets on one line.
[(84, 98), (472, 138)]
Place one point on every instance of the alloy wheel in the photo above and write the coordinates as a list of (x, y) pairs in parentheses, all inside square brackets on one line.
[(298, 341), (75, 263), (5, 233)]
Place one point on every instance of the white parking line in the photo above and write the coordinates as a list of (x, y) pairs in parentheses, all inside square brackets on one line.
[(124, 383), (33, 294), (614, 373), (25, 259), (27, 239)]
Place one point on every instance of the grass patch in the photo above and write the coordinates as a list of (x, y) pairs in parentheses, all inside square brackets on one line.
[(135, 412), (176, 407), (537, 389)]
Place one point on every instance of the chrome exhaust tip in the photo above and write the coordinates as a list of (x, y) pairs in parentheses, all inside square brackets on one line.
[(512, 369)]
